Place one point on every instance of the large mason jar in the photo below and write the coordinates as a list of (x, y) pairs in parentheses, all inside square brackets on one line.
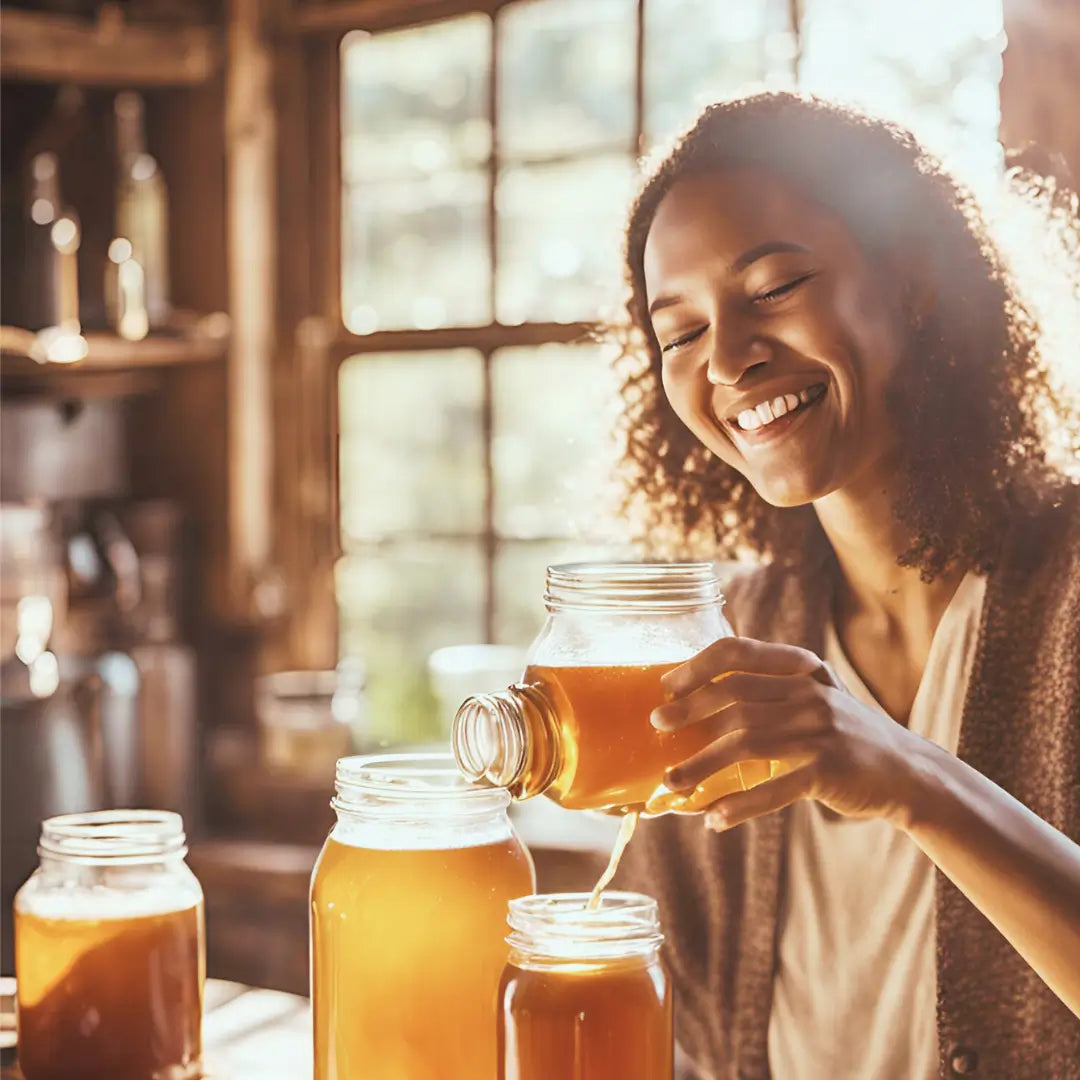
[(576, 728), (408, 901), (109, 951)]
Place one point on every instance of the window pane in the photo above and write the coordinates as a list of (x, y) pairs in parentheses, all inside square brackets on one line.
[(519, 583), (411, 453), (415, 101), (416, 254), (396, 606), (699, 51), (566, 76), (560, 237), (554, 409), (935, 67)]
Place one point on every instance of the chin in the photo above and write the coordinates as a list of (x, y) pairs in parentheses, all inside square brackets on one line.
[(790, 491)]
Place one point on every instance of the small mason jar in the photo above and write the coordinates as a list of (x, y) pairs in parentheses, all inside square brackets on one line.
[(576, 728), (408, 899), (585, 993), (110, 951)]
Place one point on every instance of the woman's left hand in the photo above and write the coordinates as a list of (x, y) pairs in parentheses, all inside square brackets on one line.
[(779, 702)]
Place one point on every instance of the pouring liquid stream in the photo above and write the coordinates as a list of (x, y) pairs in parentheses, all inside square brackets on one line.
[(625, 834)]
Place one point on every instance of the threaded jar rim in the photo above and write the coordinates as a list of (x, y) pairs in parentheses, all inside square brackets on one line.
[(652, 587), (413, 786), (113, 837), (558, 926)]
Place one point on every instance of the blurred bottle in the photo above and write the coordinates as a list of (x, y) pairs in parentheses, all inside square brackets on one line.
[(41, 261), (142, 213), (125, 291)]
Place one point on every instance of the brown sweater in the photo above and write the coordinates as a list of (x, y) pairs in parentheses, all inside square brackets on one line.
[(719, 893)]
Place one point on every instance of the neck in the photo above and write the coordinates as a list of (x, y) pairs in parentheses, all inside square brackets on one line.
[(859, 524)]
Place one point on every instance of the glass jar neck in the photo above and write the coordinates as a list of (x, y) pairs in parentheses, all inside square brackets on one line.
[(508, 740), (414, 790), (632, 588), (113, 838), (557, 929)]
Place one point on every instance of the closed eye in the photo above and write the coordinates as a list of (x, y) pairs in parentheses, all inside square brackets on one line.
[(681, 342), (782, 290)]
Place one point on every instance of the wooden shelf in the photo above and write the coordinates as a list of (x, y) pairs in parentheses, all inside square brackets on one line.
[(111, 365), (42, 47)]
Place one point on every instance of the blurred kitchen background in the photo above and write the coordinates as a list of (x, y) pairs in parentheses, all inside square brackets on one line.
[(299, 389)]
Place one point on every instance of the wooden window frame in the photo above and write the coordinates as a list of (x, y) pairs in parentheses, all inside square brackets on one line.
[(313, 338)]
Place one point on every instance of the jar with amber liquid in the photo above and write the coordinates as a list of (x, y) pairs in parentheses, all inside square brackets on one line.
[(576, 728), (408, 902), (585, 993), (110, 951)]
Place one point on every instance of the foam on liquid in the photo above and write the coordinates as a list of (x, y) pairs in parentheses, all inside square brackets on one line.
[(82, 903), (429, 836)]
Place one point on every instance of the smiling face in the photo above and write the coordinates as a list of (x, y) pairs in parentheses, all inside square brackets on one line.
[(777, 335)]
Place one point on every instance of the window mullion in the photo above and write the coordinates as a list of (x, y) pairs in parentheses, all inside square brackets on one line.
[(490, 541), (639, 81), (487, 411)]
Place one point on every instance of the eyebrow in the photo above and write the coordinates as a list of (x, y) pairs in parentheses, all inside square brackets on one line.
[(746, 259)]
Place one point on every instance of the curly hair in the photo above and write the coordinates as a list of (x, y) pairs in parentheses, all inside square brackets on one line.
[(972, 398)]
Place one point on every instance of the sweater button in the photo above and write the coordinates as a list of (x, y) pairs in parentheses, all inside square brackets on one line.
[(964, 1061)]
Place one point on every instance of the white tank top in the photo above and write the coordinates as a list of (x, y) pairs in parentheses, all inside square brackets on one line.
[(856, 984)]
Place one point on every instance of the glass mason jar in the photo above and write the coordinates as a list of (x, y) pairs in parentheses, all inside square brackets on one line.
[(585, 993), (110, 951), (408, 899), (576, 728)]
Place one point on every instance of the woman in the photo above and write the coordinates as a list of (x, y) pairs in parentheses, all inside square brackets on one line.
[(834, 371)]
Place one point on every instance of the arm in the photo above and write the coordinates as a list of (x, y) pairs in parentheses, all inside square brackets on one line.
[(764, 701), (1020, 872)]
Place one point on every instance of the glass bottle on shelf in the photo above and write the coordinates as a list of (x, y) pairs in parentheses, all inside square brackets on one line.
[(585, 992), (142, 214), (576, 728), (41, 261)]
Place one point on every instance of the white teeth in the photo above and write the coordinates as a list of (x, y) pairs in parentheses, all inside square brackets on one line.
[(768, 411)]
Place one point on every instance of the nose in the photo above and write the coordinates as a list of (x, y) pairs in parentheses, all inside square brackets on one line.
[(735, 351)]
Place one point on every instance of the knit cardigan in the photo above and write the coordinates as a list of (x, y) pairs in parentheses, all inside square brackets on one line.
[(719, 893)]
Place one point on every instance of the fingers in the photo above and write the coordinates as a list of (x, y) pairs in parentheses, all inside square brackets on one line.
[(725, 692), (734, 654), (764, 799), (757, 731)]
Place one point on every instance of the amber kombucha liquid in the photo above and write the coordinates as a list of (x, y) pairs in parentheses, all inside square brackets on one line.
[(588, 1021), (115, 997), (407, 951), (612, 757)]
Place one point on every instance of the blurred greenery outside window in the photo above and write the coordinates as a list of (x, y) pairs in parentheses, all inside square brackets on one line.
[(487, 164)]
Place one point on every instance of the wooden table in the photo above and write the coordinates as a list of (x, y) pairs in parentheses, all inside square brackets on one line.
[(249, 1034)]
